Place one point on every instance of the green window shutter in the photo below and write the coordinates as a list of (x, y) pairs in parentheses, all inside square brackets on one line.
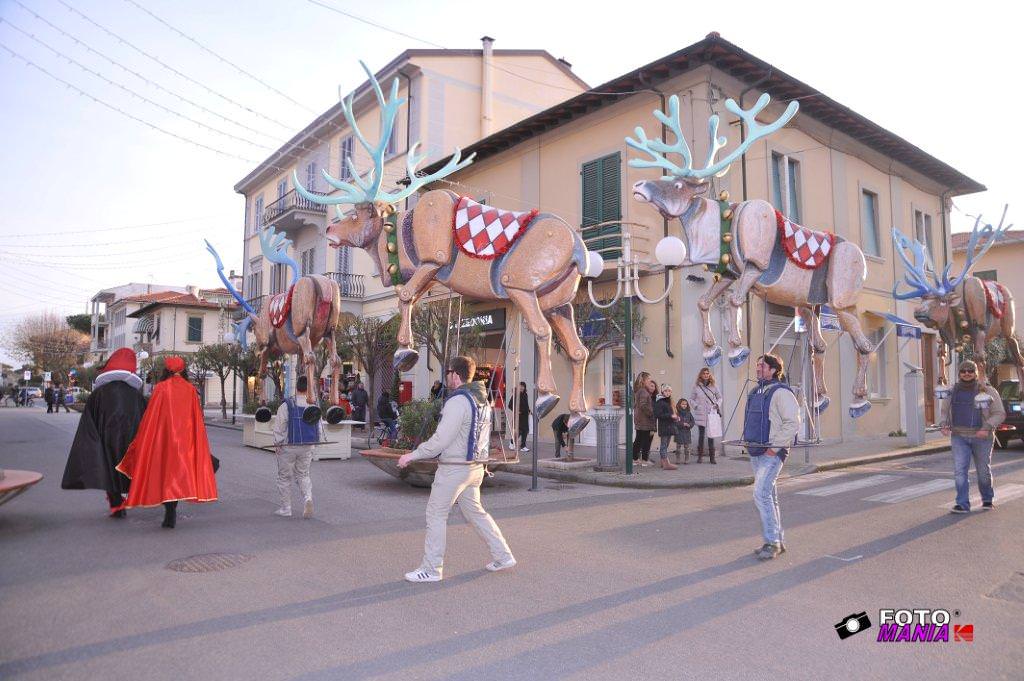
[(591, 193), (602, 201)]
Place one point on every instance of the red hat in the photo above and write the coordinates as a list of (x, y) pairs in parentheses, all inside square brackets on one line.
[(122, 360), (174, 363)]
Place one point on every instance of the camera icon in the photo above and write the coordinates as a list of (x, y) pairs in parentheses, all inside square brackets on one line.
[(852, 624)]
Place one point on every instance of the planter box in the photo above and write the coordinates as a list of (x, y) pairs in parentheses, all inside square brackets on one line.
[(256, 434)]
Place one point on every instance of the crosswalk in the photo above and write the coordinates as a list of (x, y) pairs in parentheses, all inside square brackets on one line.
[(844, 482)]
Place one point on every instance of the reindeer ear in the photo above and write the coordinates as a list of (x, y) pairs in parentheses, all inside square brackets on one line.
[(700, 187), (953, 299)]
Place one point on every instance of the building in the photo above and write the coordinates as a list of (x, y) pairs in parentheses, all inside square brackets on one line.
[(110, 310), (830, 169)]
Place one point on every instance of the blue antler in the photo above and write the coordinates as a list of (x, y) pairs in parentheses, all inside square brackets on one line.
[(242, 327), (990, 234), (275, 249)]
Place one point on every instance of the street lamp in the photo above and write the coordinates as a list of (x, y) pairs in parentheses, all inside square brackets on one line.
[(670, 252)]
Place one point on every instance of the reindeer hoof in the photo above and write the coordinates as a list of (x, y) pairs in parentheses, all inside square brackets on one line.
[(405, 359), (311, 414), (335, 415), (577, 423), (822, 404), (713, 356), (738, 357), (943, 392), (545, 403), (859, 408), (263, 415)]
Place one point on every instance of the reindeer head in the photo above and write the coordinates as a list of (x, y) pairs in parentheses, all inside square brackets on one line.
[(673, 193), (939, 296), (372, 204)]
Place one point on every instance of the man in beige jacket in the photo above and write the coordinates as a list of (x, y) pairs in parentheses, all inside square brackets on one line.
[(461, 444)]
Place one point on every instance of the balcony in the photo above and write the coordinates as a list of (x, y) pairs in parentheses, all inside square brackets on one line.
[(292, 212), (351, 285)]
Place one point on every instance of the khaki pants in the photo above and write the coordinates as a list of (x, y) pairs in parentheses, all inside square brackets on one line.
[(456, 483), (293, 463)]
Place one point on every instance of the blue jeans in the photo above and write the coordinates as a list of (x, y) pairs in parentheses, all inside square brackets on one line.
[(392, 426), (766, 495), (980, 449)]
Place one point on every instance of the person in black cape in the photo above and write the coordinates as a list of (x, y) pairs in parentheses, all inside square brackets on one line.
[(108, 425)]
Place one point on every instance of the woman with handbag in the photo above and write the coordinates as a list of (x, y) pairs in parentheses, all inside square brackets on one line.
[(706, 402)]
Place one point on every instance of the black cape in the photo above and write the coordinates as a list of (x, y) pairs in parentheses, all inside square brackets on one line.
[(108, 424)]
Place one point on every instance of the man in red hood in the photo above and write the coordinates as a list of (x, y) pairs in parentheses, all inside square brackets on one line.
[(106, 428)]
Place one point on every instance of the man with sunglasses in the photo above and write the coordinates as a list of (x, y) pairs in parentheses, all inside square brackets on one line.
[(970, 417)]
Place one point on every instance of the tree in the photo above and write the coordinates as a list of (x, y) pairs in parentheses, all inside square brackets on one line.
[(996, 353), (600, 329), (48, 342), (217, 358), (80, 322), (435, 326), (245, 363), (372, 342)]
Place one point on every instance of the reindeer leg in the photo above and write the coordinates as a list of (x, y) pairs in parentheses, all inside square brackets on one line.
[(563, 322), (528, 304), (740, 352), (980, 357), (851, 325), (406, 356), (712, 352), (308, 362), (334, 412), (818, 345)]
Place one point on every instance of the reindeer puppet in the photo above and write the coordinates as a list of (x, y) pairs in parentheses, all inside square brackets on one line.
[(751, 245), (292, 323), (533, 260), (977, 309)]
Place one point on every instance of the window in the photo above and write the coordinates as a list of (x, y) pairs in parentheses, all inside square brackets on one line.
[(987, 275), (306, 261), (257, 215), (195, 330), (345, 260), (786, 185), (345, 153), (254, 286), (870, 241), (602, 199), (277, 278), (282, 189), (311, 176), (878, 364), (923, 233)]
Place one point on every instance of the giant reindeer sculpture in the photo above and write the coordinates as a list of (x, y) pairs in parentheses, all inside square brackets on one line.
[(533, 260), (964, 308), (751, 245), (292, 323)]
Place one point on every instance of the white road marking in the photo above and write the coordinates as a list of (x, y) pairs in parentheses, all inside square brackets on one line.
[(1003, 493), (912, 492), (811, 478), (838, 488)]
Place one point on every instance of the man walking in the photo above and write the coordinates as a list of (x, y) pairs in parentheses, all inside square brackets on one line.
[(970, 417), (462, 441), (360, 399), (770, 424), (60, 399), (293, 459), (48, 395)]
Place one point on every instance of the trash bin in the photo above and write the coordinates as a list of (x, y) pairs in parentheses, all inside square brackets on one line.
[(607, 420)]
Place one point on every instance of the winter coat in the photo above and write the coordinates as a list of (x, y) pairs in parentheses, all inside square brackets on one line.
[(384, 409), (704, 399), (664, 414), (683, 426), (643, 409)]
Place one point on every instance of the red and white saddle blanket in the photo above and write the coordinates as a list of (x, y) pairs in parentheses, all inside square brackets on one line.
[(805, 247), (485, 232), (997, 297), (280, 305)]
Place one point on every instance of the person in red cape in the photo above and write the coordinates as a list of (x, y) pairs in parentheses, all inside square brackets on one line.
[(169, 460)]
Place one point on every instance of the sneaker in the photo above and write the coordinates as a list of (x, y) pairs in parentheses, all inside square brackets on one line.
[(959, 509), (307, 509), (769, 551), (496, 565), (423, 575), (987, 506), (284, 512), (782, 549), (524, 449)]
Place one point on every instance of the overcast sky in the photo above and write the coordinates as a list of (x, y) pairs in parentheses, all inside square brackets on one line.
[(91, 198)]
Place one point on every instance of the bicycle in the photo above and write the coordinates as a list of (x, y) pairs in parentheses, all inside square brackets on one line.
[(379, 433)]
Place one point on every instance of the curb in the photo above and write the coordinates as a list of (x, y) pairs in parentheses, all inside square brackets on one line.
[(226, 426)]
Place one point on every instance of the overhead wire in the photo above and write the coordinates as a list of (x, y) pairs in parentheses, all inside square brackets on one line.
[(112, 229)]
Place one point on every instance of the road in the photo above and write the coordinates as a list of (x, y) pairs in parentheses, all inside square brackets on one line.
[(610, 584)]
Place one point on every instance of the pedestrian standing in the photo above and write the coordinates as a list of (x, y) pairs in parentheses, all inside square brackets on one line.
[(61, 399), (706, 402), (684, 426), (386, 414), (665, 415), (461, 443), (969, 418), (360, 399), (169, 460), (48, 396), (770, 424), (293, 445), (644, 389), (435, 390), (519, 405), (107, 427)]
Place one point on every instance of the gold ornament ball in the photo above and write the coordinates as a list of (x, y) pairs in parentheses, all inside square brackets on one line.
[(959, 348), (727, 238), (727, 213), (723, 195), (392, 269), (964, 324), (392, 248), (388, 227), (726, 259)]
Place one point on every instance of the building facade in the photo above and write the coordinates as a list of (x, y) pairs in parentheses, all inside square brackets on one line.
[(110, 327)]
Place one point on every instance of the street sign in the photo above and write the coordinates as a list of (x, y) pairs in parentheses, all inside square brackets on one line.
[(28, 375), (46, 377), (830, 322), (908, 331)]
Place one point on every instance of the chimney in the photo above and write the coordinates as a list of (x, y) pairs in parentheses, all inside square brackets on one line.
[(192, 290), (486, 105), (565, 63)]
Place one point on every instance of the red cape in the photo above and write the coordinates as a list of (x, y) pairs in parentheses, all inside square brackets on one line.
[(169, 459)]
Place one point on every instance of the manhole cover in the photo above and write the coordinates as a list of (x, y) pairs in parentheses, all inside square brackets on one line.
[(209, 562)]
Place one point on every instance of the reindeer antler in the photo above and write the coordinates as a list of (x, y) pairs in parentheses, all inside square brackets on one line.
[(657, 149), (366, 187), (275, 249), (992, 235), (915, 275)]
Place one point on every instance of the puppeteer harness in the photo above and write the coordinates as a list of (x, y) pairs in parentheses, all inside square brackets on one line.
[(478, 443)]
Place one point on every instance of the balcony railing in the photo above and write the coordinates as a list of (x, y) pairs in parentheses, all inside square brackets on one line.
[(606, 241), (292, 201), (351, 285)]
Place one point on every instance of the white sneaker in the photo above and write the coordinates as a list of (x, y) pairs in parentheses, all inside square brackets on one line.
[(284, 512), (496, 565), (525, 449), (422, 575), (307, 509)]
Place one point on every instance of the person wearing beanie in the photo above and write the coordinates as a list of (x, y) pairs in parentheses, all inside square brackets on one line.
[(969, 418), (170, 460), (107, 427)]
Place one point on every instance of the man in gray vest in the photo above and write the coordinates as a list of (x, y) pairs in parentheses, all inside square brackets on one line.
[(970, 417), (461, 443)]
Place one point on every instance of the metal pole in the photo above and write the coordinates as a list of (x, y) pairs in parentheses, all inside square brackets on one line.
[(234, 394), (628, 299), (534, 487)]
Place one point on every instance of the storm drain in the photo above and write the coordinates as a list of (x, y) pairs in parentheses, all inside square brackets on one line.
[(1012, 590), (209, 562)]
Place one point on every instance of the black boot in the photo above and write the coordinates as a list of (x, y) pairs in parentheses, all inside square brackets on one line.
[(115, 502), (711, 454), (700, 456), (170, 514)]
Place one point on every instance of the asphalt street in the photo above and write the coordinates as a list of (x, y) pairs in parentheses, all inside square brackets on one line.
[(611, 583)]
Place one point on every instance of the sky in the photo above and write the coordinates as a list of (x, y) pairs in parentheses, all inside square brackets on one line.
[(94, 195)]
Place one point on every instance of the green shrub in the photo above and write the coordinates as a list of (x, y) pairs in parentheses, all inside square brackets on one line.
[(417, 422)]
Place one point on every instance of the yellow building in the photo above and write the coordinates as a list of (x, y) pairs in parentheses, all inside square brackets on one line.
[(829, 169)]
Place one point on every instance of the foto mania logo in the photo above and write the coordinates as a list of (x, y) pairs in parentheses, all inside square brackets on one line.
[(921, 626)]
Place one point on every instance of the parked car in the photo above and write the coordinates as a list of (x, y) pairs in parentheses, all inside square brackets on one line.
[(35, 392), (1012, 426)]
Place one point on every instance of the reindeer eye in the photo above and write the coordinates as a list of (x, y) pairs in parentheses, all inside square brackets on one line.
[(678, 185)]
